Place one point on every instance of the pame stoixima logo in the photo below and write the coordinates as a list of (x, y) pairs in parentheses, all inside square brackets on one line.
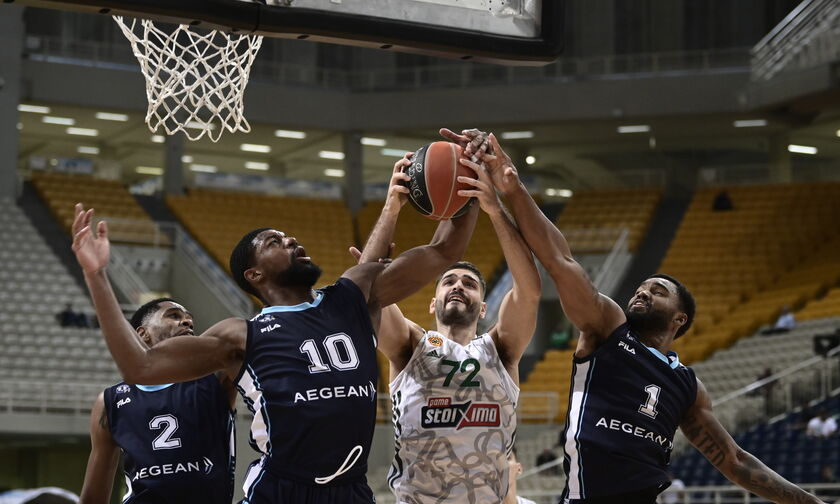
[(441, 413)]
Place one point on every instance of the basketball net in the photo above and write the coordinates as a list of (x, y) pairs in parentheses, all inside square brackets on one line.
[(195, 82)]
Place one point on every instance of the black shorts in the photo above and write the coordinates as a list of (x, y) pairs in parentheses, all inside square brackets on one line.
[(646, 496), (273, 490)]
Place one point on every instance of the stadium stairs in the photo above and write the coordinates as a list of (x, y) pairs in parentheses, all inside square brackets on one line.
[(663, 227)]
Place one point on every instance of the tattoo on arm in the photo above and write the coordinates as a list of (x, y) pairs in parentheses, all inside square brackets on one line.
[(741, 467), (761, 480), (704, 441)]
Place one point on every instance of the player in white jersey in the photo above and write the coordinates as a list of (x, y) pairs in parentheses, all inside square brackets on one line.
[(454, 392)]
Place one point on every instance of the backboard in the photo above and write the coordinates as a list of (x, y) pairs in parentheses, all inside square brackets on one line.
[(517, 32)]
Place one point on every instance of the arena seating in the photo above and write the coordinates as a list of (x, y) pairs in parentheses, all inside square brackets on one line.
[(782, 445), (738, 366), (35, 287), (218, 219), (127, 221), (743, 265), (827, 306), (592, 220)]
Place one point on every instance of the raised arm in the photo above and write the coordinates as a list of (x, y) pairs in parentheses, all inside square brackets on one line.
[(518, 311), (396, 334), (103, 460), (705, 432), (183, 358), (380, 239), (594, 314), (418, 266)]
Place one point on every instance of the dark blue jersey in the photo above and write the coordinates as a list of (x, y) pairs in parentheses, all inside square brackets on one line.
[(309, 375), (177, 441), (625, 404)]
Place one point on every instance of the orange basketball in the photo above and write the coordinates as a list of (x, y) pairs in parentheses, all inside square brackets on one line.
[(434, 185)]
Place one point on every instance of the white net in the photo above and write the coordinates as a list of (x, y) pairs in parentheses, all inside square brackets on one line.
[(195, 82)]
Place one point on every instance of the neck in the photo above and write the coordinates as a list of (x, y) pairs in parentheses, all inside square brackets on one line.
[(511, 495), (288, 296), (461, 334), (659, 340)]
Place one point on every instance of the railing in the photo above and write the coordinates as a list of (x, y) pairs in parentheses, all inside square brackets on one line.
[(27, 396), (813, 379), (452, 75), (725, 494), (760, 173), (213, 277), (805, 38), (608, 276), (125, 279), (164, 234), (139, 231)]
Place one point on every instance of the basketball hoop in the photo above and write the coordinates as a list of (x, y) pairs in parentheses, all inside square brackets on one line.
[(195, 82)]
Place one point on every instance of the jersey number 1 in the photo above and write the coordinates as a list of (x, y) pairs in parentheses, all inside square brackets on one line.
[(350, 359), (649, 407)]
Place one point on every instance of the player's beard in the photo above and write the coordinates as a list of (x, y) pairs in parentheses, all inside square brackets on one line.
[(300, 274), (456, 316), (648, 321)]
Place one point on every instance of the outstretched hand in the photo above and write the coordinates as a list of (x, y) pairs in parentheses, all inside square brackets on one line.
[(472, 141), (500, 167), (92, 248), (482, 187)]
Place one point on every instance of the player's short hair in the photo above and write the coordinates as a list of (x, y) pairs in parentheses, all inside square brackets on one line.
[(687, 302), (242, 258), (147, 310), (467, 266)]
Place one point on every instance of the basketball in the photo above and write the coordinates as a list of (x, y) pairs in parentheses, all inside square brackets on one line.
[(434, 185)]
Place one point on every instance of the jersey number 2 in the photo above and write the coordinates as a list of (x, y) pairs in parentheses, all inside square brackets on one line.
[(649, 407), (165, 441), (350, 359)]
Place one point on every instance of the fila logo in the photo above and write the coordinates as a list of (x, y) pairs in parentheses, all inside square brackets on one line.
[(270, 328), (123, 402), (626, 347)]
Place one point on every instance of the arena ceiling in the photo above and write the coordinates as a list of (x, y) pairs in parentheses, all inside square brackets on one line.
[(561, 152)]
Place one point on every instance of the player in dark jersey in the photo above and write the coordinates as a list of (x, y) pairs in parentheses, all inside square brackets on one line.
[(177, 440), (305, 365), (629, 392)]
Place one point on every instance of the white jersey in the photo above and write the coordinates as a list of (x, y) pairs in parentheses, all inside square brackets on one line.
[(454, 423)]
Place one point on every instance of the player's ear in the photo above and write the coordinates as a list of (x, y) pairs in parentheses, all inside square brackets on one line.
[(681, 318), (253, 275), (432, 306), (144, 335), (483, 311)]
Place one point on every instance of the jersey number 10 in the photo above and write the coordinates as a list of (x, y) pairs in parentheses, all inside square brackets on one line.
[(346, 362)]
